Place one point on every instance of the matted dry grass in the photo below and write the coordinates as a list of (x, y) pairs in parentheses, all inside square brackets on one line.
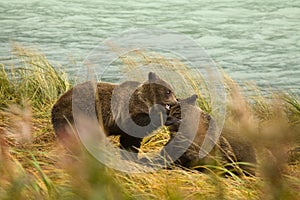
[(33, 165)]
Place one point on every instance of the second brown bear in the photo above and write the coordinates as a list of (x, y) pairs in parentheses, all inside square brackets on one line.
[(232, 147)]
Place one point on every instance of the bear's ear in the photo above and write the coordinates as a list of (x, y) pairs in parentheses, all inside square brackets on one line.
[(152, 76), (192, 99)]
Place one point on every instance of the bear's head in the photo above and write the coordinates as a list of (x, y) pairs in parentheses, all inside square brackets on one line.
[(185, 109), (175, 114), (157, 91)]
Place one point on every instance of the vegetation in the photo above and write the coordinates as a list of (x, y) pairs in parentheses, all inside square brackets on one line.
[(34, 165)]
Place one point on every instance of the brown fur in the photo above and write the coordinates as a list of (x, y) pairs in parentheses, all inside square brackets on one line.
[(144, 96), (231, 146)]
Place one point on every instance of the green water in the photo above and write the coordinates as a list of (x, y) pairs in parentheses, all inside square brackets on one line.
[(253, 41)]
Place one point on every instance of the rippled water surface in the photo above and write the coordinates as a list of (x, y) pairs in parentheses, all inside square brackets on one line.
[(253, 41)]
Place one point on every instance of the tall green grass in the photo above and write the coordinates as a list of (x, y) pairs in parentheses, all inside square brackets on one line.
[(33, 165), (33, 80)]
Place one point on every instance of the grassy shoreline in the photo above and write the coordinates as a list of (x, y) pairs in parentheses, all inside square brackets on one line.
[(34, 165)]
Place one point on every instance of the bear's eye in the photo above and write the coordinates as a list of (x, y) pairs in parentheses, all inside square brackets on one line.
[(168, 92)]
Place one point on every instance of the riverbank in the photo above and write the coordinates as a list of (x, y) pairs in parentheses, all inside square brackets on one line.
[(33, 165)]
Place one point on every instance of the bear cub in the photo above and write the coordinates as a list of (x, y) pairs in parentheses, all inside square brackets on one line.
[(231, 147), (119, 107)]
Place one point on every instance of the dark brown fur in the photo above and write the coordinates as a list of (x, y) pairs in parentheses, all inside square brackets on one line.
[(231, 146), (153, 91)]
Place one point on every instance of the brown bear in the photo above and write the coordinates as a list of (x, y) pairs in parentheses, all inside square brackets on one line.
[(111, 102), (231, 147)]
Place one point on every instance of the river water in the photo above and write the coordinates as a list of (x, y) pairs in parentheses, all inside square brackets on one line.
[(253, 41)]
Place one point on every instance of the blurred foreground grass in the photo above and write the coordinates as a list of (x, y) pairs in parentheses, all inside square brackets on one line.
[(33, 165)]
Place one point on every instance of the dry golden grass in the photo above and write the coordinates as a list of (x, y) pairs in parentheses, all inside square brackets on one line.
[(33, 165)]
